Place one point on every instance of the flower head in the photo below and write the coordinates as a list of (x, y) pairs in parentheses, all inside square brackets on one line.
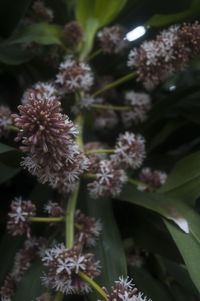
[(109, 180), (5, 120), (140, 103), (112, 39), (41, 90), (73, 34), (74, 76), (64, 266), (20, 211), (43, 12), (88, 229), (129, 150), (154, 179), (124, 291), (172, 49)]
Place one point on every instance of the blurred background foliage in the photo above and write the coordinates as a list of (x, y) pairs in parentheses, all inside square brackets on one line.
[(172, 133)]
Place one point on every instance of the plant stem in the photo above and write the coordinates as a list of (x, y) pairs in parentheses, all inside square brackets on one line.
[(94, 151), (93, 284), (116, 83), (13, 128), (89, 175), (69, 218), (108, 107), (94, 54), (46, 219), (59, 296), (137, 183), (131, 181)]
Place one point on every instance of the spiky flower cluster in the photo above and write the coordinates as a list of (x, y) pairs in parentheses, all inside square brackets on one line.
[(64, 266), (43, 12), (140, 103), (47, 138), (153, 179), (22, 261), (20, 211), (124, 291), (112, 39), (5, 121), (109, 180), (41, 90), (87, 229), (74, 76), (72, 34), (129, 151), (171, 50)]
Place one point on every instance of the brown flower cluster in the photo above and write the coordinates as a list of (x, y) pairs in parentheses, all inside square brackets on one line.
[(172, 49), (64, 266)]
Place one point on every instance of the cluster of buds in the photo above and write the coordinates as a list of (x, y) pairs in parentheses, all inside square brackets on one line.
[(109, 180), (129, 151), (47, 137), (153, 179), (20, 212), (140, 104), (171, 50), (41, 90), (5, 121), (112, 39), (44, 13), (22, 261), (73, 34), (64, 267), (124, 291), (74, 76), (87, 229)]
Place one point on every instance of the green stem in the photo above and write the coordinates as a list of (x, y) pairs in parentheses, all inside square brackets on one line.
[(94, 54), (79, 139), (89, 176), (69, 218), (59, 296), (137, 183), (46, 219), (93, 284), (13, 128), (116, 83), (131, 181), (108, 107), (94, 151)]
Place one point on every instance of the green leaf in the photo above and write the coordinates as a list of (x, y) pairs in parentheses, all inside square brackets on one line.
[(102, 10), (9, 245), (158, 203), (92, 15), (7, 172), (151, 287), (14, 55), (109, 249), (13, 11), (6, 148), (189, 249), (30, 286), (184, 180), (162, 20), (41, 33), (180, 275)]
